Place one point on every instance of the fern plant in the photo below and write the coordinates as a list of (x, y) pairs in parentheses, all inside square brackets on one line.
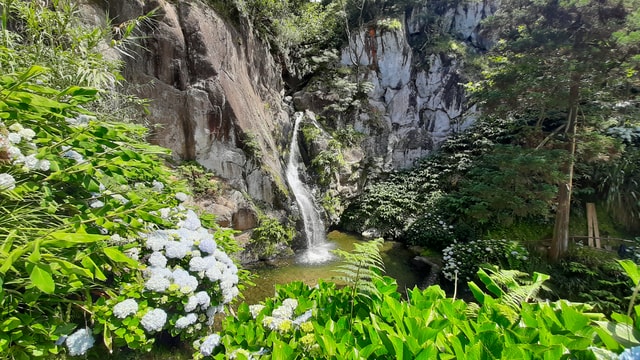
[(360, 269), (511, 289)]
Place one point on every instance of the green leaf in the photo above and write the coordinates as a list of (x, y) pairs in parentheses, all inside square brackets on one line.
[(631, 269), (116, 255), (89, 264), (625, 334), (41, 277), (66, 240), (282, 350), (35, 254), (108, 340)]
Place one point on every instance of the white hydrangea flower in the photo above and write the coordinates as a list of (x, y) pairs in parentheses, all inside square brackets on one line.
[(229, 295), (14, 152), (208, 245), (191, 304), (213, 273), (157, 240), (185, 321), (157, 284), (187, 237), (164, 213), (14, 138), (7, 182), (289, 302), (197, 264), (96, 204), (125, 308), (209, 344), (255, 310), (176, 250), (282, 312), (27, 134), (157, 259), (191, 222), (185, 281), (182, 197), (43, 165), (154, 320), (74, 155), (30, 162), (204, 300), (133, 253), (157, 186), (80, 342)]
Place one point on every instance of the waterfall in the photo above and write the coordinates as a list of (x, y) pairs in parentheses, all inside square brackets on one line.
[(318, 249)]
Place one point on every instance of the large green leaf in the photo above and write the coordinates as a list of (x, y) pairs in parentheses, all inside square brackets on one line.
[(41, 277), (116, 255)]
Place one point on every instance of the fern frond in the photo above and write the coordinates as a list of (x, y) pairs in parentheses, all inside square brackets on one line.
[(512, 287), (361, 266)]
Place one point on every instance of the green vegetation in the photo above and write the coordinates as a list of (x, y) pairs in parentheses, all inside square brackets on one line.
[(270, 234), (506, 322), (201, 182), (98, 251)]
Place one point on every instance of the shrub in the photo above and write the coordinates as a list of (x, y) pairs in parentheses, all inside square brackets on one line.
[(462, 260), (93, 220), (269, 234), (431, 231)]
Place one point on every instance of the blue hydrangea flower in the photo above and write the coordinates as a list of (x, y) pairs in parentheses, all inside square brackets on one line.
[(630, 354), (80, 342)]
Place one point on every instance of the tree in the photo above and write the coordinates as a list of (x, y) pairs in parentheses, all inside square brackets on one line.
[(552, 56)]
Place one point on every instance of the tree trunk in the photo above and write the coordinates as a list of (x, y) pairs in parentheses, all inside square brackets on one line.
[(560, 240)]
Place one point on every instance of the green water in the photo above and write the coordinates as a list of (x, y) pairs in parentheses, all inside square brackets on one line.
[(396, 259)]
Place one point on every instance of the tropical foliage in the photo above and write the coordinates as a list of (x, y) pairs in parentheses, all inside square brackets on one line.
[(98, 249), (507, 322)]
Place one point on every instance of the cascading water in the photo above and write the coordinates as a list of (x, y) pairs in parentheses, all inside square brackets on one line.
[(318, 249)]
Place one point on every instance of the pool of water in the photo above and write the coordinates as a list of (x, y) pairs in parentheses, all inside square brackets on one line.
[(396, 260)]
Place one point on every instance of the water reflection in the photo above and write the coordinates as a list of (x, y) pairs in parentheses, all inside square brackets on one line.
[(396, 259)]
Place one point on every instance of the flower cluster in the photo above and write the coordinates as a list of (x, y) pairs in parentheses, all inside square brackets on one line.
[(186, 263), (125, 308), (207, 345), (431, 231), (80, 342), (17, 148), (281, 318), (462, 260)]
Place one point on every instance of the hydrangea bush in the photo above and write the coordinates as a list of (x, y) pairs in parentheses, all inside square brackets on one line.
[(462, 260), (430, 230), (93, 219)]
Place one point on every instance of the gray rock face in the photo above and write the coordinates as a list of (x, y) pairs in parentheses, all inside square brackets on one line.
[(215, 94), (417, 107)]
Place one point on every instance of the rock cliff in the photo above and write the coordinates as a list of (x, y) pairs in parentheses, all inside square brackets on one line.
[(217, 96)]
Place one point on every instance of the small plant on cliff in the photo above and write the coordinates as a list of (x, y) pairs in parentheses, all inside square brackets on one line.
[(269, 234), (202, 182)]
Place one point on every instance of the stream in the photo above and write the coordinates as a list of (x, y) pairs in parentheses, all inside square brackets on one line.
[(396, 260)]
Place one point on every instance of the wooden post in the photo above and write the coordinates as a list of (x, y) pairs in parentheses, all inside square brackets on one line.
[(592, 223)]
